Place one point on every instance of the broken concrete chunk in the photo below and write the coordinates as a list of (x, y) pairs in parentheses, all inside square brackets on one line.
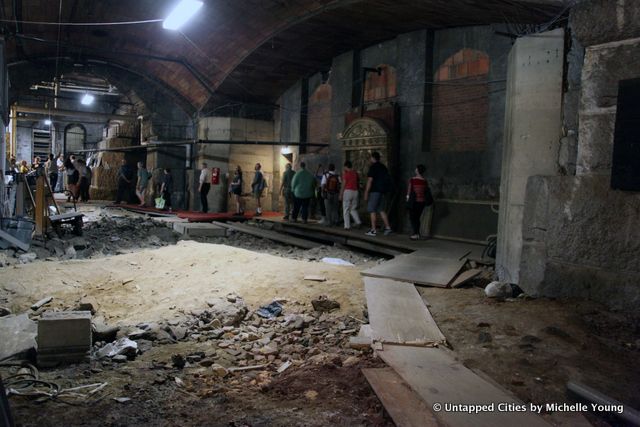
[(230, 314), (498, 290), (103, 332), (123, 346), (315, 278), (43, 301), (17, 335), (219, 370), (27, 258), (323, 304)]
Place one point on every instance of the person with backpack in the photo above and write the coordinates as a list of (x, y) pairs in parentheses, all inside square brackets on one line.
[(330, 187), (418, 197), (376, 193), (257, 187), (349, 196)]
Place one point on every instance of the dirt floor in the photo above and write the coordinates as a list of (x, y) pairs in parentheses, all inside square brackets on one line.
[(533, 347), (152, 285), (194, 366)]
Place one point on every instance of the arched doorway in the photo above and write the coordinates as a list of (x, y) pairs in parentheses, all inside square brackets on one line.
[(75, 136)]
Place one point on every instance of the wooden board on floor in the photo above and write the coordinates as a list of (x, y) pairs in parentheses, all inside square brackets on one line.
[(271, 235), (465, 276), (418, 269), (435, 376), (403, 405), (398, 315)]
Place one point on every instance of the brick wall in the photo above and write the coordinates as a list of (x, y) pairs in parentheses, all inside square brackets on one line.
[(381, 87), (319, 115), (461, 102)]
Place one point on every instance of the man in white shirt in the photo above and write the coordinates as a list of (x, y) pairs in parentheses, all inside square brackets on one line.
[(60, 183), (205, 186)]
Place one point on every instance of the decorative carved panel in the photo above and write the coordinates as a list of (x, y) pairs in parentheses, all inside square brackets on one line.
[(362, 137)]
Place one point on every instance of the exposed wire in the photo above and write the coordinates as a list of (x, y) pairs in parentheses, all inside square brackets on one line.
[(81, 24)]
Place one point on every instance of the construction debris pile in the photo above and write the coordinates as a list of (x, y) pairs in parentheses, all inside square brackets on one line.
[(106, 236), (267, 341), (223, 344)]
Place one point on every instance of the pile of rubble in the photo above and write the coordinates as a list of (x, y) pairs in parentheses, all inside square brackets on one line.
[(106, 236), (250, 343)]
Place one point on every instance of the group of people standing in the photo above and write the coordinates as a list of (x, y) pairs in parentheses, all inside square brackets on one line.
[(331, 189), (136, 182), (71, 174)]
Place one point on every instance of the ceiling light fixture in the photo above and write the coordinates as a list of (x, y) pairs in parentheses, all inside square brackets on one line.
[(181, 14), (87, 99)]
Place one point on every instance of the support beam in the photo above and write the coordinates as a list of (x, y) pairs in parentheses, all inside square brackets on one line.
[(68, 113)]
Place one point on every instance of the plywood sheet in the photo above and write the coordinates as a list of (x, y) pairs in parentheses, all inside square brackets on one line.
[(464, 277), (403, 405), (398, 315), (419, 269), (435, 376)]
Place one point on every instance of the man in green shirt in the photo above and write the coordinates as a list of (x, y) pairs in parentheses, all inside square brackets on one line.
[(303, 186), (285, 190)]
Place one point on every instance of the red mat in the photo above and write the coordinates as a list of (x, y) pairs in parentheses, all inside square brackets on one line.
[(145, 209)]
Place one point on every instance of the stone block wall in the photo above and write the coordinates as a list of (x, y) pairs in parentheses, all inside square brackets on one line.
[(581, 238)]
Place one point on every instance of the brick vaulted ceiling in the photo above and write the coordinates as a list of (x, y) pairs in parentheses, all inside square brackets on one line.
[(244, 50)]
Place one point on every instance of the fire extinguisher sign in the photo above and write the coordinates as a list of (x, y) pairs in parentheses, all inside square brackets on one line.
[(215, 176)]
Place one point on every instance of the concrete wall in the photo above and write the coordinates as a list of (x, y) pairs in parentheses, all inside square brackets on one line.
[(581, 237), (415, 56), (532, 135), (228, 156)]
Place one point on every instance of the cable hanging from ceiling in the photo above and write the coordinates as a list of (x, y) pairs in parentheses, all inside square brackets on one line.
[(81, 24)]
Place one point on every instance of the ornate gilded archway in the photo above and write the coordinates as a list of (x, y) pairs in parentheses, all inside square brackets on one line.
[(362, 137)]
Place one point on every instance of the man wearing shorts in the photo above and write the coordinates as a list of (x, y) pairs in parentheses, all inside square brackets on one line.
[(375, 193)]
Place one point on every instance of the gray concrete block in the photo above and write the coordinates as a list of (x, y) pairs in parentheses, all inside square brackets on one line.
[(17, 335), (201, 229), (63, 336)]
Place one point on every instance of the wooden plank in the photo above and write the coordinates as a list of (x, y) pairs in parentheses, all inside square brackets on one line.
[(435, 376), (418, 269), (403, 405), (398, 315), (368, 246), (271, 235), (13, 241), (464, 277)]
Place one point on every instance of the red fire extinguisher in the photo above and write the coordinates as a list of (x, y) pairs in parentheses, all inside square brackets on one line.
[(215, 176)]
